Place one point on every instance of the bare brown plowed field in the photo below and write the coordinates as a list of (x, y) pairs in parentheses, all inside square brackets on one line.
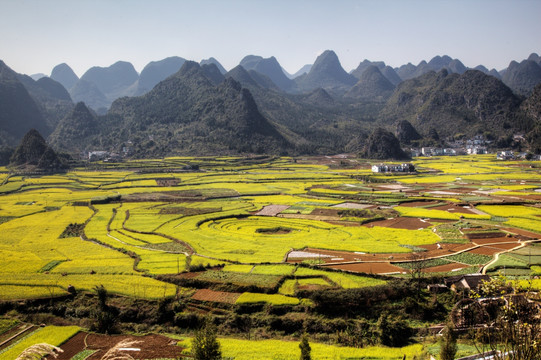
[(485, 250), (527, 233), (73, 346), (496, 240), (150, 346), (528, 197), (215, 296), (369, 268), (503, 246), (446, 267), (401, 223), (484, 235)]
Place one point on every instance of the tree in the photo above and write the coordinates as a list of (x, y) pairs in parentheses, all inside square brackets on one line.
[(103, 295), (205, 345), (393, 333), (305, 348), (448, 346), (418, 264), (104, 316), (515, 333)]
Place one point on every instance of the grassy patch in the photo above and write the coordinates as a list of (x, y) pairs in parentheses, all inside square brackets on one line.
[(506, 261), (470, 259), (83, 354), (51, 265), (426, 263), (6, 324), (241, 279)]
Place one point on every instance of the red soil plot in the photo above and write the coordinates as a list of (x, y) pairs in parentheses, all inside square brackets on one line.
[(73, 346), (503, 247), (485, 250), (215, 296), (150, 346), (527, 233), (496, 240)]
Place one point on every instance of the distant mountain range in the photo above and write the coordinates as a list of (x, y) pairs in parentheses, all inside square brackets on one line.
[(99, 87), (176, 106)]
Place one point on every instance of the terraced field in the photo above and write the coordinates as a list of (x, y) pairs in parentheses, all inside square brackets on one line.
[(155, 219)]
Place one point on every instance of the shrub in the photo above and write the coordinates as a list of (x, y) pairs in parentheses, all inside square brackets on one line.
[(305, 348), (448, 346), (394, 333), (205, 345)]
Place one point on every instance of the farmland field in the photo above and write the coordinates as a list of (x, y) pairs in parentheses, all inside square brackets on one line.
[(286, 350), (259, 232), (210, 217)]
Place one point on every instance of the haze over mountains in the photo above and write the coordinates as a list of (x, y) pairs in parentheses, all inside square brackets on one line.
[(175, 106), (99, 86)]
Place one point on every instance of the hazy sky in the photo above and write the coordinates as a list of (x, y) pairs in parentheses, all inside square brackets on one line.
[(36, 35)]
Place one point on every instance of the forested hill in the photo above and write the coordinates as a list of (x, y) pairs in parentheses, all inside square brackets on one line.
[(187, 113), (200, 109), (18, 111), (471, 103)]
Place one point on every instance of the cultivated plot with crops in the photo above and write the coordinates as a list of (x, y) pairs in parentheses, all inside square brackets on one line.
[(237, 235)]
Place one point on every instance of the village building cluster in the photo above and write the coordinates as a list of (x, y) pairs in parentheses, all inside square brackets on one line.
[(478, 145), (386, 168)]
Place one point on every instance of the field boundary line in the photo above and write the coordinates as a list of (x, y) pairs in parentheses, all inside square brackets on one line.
[(27, 327), (497, 255)]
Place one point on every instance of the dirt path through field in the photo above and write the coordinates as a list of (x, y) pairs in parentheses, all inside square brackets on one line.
[(497, 256)]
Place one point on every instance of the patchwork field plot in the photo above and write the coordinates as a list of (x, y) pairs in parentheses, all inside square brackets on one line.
[(85, 228)]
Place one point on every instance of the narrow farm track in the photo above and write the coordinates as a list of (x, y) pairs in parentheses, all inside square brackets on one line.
[(497, 256), (17, 333)]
